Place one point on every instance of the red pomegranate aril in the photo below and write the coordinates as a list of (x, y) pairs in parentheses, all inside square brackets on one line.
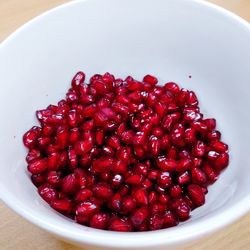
[(169, 220), (214, 135), (166, 164), (120, 225), (199, 149), (102, 191), (78, 79), (37, 166), (212, 155), (198, 176), (141, 196), (184, 178), (183, 165), (139, 216), (83, 195), (192, 99), (30, 137), (38, 179), (219, 146), (164, 180), (99, 220), (70, 184), (175, 191), (164, 198), (152, 197), (134, 180), (183, 211), (172, 87), (128, 204), (64, 206), (47, 192), (116, 202), (125, 155), (150, 79), (83, 147), (156, 222), (33, 155), (53, 178), (211, 175), (53, 160), (211, 123), (196, 194), (221, 162), (86, 208)]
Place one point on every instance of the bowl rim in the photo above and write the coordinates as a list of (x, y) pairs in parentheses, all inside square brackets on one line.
[(102, 238)]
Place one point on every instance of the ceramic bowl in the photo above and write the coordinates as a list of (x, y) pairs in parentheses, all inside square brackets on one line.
[(174, 40)]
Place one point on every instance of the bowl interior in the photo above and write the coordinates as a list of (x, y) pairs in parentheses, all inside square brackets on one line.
[(171, 39)]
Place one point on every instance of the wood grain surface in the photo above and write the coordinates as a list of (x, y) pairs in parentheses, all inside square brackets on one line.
[(18, 234)]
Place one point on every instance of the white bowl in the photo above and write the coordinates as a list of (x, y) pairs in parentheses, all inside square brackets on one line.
[(170, 39)]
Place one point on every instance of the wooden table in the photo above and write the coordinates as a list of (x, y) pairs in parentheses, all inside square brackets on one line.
[(18, 234)]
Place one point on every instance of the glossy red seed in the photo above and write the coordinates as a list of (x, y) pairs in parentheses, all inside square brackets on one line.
[(30, 137), (150, 79), (70, 184), (33, 155), (99, 220), (86, 208), (169, 220), (37, 166), (139, 216), (78, 79), (196, 194), (221, 162), (121, 225), (134, 179), (166, 164), (47, 192), (102, 191), (156, 222), (141, 196), (198, 176), (164, 180), (128, 204), (38, 179), (172, 87), (83, 195), (219, 146), (64, 206)]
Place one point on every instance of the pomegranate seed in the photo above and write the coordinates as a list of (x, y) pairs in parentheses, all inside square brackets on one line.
[(70, 184), (150, 79), (86, 208), (102, 191), (196, 194), (38, 179), (37, 166), (78, 79), (141, 196), (172, 87), (198, 176), (121, 225), (47, 192), (169, 220), (99, 220), (164, 180), (83, 195), (139, 216), (33, 155), (156, 222), (30, 137), (128, 204), (64, 206)]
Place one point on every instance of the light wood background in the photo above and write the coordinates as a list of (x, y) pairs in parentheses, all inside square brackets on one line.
[(18, 234)]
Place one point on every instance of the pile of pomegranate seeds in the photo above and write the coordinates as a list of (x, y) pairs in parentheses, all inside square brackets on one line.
[(125, 155)]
